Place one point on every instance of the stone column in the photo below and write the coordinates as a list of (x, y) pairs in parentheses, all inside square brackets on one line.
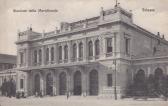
[(105, 47), (54, 83), (63, 53), (69, 51), (49, 57), (38, 57), (148, 71), (77, 50), (84, 83), (85, 51), (28, 56), (94, 52), (43, 56), (42, 83), (24, 57), (69, 81), (56, 54), (114, 44), (57, 83)]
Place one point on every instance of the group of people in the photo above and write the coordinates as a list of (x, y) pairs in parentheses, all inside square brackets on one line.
[(8, 88)]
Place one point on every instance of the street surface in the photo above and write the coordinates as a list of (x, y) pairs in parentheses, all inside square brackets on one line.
[(78, 101)]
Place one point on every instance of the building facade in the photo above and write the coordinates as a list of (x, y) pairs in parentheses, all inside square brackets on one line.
[(89, 57), (7, 63)]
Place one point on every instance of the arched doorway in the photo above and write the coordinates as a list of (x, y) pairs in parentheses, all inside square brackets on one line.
[(62, 83), (37, 84), (49, 84), (158, 73), (158, 81), (140, 84), (77, 83), (93, 82)]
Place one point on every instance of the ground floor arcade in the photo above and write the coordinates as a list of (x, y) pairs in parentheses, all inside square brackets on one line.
[(74, 80)]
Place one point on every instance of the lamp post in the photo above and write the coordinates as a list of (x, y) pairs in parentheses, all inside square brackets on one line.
[(115, 79)]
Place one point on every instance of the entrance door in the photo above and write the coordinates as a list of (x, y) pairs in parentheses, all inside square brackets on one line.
[(62, 83), (49, 84), (77, 83), (93, 83), (37, 84)]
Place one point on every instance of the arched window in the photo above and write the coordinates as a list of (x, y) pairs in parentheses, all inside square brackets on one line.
[(74, 51), (35, 56), (66, 52), (90, 45), (52, 53), (47, 54), (40, 56), (97, 47), (60, 52), (81, 50)]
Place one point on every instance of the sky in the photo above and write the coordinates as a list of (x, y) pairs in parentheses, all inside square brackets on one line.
[(70, 11)]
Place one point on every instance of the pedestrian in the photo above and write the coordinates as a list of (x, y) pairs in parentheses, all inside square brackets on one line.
[(67, 94)]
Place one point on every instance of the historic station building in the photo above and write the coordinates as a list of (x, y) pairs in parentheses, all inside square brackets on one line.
[(90, 56)]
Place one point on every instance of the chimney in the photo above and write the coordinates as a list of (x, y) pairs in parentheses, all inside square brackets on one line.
[(163, 36), (56, 30), (158, 34), (43, 34), (101, 14)]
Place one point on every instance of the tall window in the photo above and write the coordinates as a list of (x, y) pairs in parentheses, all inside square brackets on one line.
[(21, 58), (80, 50), (109, 80), (60, 52), (90, 48), (40, 56), (74, 51), (47, 54), (52, 53), (97, 47), (109, 45), (35, 56), (127, 46), (65, 52)]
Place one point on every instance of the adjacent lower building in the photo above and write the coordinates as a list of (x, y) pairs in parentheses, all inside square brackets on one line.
[(95, 56), (7, 65)]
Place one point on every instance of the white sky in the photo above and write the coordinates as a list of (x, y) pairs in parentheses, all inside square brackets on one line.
[(72, 10)]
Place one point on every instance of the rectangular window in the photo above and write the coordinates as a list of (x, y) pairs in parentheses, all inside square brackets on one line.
[(109, 45), (127, 46), (21, 83), (109, 80)]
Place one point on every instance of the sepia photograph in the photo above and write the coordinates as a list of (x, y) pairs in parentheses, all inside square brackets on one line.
[(83, 53)]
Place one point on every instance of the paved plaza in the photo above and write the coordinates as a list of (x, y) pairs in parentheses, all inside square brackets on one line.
[(78, 101)]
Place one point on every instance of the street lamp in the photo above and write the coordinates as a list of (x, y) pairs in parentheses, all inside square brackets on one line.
[(115, 79)]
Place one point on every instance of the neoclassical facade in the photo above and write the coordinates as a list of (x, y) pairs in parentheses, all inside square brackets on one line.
[(90, 56)]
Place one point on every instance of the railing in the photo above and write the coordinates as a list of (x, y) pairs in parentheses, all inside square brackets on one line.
[(90, 58), (109, 54), (80, 59), (73, 59)]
